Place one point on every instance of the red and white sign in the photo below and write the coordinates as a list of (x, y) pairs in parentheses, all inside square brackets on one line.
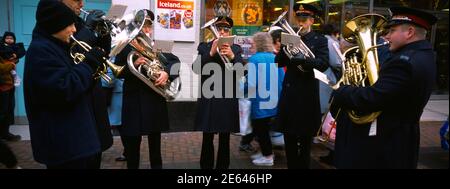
[(175, 20)]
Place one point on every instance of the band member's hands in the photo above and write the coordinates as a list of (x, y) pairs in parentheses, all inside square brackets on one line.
[(95, 57), (141, 60), (225, 49), (162, 79), (214, 48)]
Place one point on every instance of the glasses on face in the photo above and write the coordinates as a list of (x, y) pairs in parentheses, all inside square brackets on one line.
[(224, 28)]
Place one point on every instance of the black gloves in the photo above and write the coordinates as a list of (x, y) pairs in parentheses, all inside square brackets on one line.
[(302, 62), (94, 18), (95, 57)]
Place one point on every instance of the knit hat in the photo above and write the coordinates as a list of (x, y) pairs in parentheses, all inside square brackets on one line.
[(53, 16), (7, 33)]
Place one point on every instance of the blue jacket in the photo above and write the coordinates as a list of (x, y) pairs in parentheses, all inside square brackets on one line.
[(58, 102), (264, 81)]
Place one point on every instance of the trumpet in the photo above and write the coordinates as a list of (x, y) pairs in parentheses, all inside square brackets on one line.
[(101, 71)]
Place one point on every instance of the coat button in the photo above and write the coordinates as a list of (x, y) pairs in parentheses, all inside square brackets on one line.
[(288, 85)]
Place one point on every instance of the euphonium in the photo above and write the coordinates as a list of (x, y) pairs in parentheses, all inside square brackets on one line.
[(292, 51), (360, 63), (212, 27), (101, 71), (142, 46)]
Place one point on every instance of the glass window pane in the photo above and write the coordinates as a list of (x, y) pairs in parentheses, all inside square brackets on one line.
[(441, 48), (420, 4), (249, 17)]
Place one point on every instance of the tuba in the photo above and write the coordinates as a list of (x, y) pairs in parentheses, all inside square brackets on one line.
[(294, 50), (360, 63), (212, 27), (143, 46), (101, 71)]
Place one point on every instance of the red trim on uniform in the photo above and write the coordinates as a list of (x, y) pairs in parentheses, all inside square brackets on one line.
[(419, 21)]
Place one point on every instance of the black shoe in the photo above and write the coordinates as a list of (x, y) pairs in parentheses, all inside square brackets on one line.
[(121, 158), (11, 137)]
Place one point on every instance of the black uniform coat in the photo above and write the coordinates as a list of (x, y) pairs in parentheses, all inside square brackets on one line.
[(299, 104), (58, 102), (401, 92), (218, 113), (98, 93), (143, 110)]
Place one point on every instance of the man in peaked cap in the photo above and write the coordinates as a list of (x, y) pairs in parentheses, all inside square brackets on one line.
[(144, 111), (86, 32), (401, 92), (219, 113), (306, 10), (299, 106)]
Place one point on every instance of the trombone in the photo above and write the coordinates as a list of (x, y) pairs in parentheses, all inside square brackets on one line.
[(101, 71)]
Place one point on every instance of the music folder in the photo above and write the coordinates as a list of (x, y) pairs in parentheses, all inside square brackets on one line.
[(323, 77), (290, 40), (223, 40), (116, 12), (163, 46)]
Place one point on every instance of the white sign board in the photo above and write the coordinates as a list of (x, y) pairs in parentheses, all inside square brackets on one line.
[(174, 20)]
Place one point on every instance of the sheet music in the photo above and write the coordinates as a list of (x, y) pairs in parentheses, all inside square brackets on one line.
[(223, 40), (163, 46), (322, 77), (116, 11), (290, 40)]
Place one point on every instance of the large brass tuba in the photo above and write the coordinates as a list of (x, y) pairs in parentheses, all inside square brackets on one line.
[(292, 51), (360, 63), (143, 46)]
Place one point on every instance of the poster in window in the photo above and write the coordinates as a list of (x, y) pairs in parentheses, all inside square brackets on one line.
[(247, 16), (175, 20)]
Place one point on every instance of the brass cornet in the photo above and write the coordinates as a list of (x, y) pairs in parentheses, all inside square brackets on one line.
[(101, 71), (294, 50)]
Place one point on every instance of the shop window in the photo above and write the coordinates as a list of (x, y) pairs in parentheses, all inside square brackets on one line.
[(420, 4), (441, 48), (249, 16)]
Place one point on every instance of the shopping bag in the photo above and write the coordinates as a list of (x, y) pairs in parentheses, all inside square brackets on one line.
[(244, 116), (329, 128), (328, 131)]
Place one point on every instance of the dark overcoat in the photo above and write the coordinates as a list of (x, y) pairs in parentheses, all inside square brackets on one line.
[(98, 93), (299, 105), (217, 113), (401, 92), (143, 110), (58, 102)]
